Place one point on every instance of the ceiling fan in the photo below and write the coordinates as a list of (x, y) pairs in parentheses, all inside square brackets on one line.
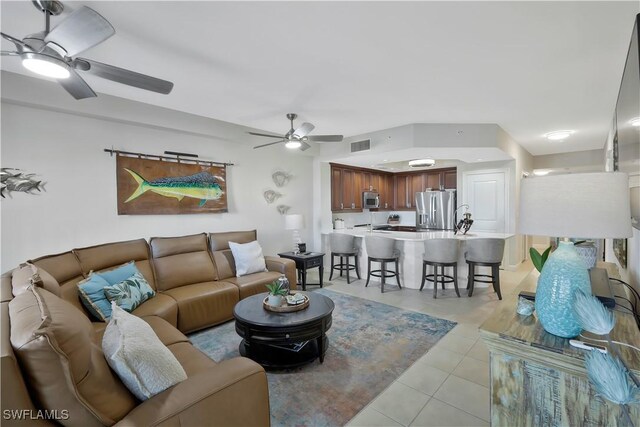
[(52, 52), (297, 138)]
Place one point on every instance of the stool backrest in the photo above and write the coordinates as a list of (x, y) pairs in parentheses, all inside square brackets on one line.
[(485, 250), (342, 243), (441, 250), (381, 247)]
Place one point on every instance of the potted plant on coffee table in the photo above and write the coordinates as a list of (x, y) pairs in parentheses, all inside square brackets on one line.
[(276, 294)]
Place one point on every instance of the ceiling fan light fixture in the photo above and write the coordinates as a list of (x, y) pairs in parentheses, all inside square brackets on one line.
[(293, 144), (422, 163), (45, 65)]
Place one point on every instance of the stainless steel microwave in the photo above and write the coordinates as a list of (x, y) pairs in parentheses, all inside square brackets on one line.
[(370, 200)]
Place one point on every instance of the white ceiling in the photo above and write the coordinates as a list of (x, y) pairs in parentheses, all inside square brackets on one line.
[(355, 67)]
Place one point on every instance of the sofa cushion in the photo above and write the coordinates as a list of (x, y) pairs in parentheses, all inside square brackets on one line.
[(107, 256), (91, 292), (192, 360), (66, 269), (248, 258), (63, 367), (180, 261), (221, 253), (27, 274), (167, 333), (129, 293), (140, 359), (204, 304), (253, 283), (118, 274), (162, 306)]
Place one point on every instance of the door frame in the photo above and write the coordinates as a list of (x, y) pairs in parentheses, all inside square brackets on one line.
[(507, 188)]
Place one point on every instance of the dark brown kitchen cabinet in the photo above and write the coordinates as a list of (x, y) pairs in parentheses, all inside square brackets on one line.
[(401, 190), (450, 179), (396, 190), (432, 181)]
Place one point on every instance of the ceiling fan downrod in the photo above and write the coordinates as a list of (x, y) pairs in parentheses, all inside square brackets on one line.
[(48, 7)]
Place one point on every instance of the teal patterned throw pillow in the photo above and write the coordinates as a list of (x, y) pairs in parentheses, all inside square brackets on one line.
[(129, 293)]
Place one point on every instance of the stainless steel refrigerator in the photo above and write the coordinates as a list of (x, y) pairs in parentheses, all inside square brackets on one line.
[(435, 210)]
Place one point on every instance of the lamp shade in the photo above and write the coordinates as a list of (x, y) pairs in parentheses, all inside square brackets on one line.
[(294, 222), (589, 205)]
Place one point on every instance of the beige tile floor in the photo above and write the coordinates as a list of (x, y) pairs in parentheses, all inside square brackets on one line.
[(448, 386)]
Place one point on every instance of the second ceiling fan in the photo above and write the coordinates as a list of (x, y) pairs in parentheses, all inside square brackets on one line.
[(298, 137)]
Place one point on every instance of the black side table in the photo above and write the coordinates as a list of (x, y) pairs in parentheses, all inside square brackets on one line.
[(305, 261)]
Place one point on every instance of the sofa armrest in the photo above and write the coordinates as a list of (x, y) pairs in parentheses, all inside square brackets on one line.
[(284, 266), (233, 393)]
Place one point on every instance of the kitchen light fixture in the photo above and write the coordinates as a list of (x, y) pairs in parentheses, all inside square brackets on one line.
[(635, 121), (559, 135), (45, 65), (421, 163), (292, 144)]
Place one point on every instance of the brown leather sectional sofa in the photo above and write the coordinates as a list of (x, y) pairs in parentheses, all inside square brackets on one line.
[(196, 287)]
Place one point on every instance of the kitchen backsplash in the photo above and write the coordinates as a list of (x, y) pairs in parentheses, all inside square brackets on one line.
[(351, 219)]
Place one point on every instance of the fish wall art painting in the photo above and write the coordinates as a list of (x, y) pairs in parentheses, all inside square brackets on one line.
[(156, 187)]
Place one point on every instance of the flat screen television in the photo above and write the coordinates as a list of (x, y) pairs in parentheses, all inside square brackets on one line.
[(628, 107)]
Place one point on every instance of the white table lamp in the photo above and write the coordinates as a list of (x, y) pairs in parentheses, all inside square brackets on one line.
[(294, 222), (590, 205)]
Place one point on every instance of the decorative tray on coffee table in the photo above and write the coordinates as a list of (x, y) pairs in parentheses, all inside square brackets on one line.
[(286, 307)]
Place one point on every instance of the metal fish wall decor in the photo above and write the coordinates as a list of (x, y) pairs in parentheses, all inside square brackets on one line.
[(12, 179)]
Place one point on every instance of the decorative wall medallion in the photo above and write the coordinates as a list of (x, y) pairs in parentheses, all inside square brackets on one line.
[(283, 209), (280, 178), (270, 196), (15, 180)]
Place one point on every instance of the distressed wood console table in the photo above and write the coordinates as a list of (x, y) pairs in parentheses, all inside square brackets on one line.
[(538, 379)]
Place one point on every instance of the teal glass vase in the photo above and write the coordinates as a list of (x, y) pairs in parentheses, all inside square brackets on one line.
[(562, 275)]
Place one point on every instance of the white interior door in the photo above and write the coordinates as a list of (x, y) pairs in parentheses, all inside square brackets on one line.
[(486, 194)]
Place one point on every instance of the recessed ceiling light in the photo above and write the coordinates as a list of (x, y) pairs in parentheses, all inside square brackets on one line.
[(541, 172), (421, 163), (635, 121), (559, 135), (385, 160), (292, 144), (478, 160)]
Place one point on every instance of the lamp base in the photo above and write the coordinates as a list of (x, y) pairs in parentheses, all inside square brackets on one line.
[(562, 275)]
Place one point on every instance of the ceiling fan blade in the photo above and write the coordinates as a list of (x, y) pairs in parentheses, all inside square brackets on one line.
[(8, 53), (20, 45), (304, 146), (265, 134), (123, 76), (326, 138), (82, 30), (266, 145), (76, 86), (303, 130)]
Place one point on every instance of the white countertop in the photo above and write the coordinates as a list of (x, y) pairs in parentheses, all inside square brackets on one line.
[(421, 235)]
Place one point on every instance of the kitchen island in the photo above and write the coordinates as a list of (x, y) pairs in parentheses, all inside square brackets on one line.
[(411, 246)]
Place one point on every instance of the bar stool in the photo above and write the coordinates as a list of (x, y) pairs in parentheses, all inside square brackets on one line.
[(440, 253), (382, 250), (484, 253), (343, 246)]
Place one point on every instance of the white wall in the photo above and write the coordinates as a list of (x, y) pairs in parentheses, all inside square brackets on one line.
[(78, 207)]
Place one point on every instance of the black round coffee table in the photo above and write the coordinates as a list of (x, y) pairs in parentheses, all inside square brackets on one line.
[(283, 340)]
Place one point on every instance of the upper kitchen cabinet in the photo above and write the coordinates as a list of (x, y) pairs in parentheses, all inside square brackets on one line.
[(346, 189), (450, 179), (396, 191)]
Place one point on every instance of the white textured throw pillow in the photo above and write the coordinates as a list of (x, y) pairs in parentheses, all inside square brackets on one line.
[(136, 354), (248, 258)]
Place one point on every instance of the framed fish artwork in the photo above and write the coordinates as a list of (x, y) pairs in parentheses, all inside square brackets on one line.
[(160, 187)]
